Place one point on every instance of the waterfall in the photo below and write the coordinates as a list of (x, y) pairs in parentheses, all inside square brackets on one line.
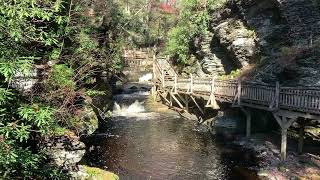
[(145, 78), (134, 108)]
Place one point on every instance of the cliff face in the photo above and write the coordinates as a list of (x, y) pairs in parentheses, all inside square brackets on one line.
[(278, 39)]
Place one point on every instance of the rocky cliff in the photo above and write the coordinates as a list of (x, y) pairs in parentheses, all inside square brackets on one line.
[(270, 40)]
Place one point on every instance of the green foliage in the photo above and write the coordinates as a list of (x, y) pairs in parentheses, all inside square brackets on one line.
[(232, 75), (21, 162), (5, 95), (39, 117), (93, 93), (192, 22), (87, 43), (61, 77), (57, 36), (99, 174), (178, 43)]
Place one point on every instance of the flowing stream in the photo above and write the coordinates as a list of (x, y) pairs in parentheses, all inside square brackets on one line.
[(141, 144)]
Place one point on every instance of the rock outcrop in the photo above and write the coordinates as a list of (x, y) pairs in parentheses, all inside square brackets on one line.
[(279, 37), (63, 151)]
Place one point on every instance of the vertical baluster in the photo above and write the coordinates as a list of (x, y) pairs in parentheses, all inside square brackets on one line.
[(313, 100), (277, 95), (175, 83), (298, 98), (163, 79), (255, 93), (239, 92), (307, 99), (289, 97)]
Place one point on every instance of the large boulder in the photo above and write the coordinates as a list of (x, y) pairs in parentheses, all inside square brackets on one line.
[(63, 151), (238, 41)]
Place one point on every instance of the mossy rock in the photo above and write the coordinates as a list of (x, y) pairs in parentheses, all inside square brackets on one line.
[(99, 174)]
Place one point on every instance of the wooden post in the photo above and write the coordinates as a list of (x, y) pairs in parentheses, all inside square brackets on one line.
[(198, 106), (277, 95), (248, 129), (153, 91), (175, 83), (176, 100), (284, 124), (191, 83), (163, 79), (187, 102), (284, 134), (248, 121), (301, 137), (239, 92)]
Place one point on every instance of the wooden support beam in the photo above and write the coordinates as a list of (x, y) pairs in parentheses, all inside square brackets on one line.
[(212, 99), (187, 102), (183, 99), (195, 102), (176, 99), (301, 137), (284, 135), (247, 112), (164, 97), (284, 123), (295, 115)]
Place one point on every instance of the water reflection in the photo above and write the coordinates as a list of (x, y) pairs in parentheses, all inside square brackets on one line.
[(149, 145)]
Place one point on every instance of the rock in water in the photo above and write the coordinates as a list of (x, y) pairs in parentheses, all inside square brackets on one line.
[(63, 151)]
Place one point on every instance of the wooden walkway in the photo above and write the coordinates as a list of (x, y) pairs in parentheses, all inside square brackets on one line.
[(138, 57), (287, 104)]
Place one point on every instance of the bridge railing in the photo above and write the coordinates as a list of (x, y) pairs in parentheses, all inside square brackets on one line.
[(305, 99), (137, 57), (266, 96), (261, 94)]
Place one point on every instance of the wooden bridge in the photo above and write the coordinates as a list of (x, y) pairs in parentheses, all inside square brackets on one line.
[(138, 57), (287, 104)]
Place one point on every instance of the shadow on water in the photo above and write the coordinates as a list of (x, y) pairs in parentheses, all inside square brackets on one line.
[(139, 144)]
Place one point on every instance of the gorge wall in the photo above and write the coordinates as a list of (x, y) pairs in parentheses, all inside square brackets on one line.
[(270, 40)]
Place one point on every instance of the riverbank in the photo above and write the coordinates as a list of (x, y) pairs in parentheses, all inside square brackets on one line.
[(266, 149), (304, 166)]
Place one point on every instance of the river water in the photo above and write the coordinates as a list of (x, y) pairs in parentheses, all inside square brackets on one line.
[(142, 144)]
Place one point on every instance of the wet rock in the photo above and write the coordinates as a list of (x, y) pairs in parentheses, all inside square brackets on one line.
[(79, 173), (271, 167), (133, 87), (63, 151), (88, 122)]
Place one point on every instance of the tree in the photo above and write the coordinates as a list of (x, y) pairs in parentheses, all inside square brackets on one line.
[(72, 41)]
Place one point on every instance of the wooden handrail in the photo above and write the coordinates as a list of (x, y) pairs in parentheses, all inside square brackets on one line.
[(268, 96)]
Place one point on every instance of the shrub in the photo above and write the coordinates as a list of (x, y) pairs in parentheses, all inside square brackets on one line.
[(193, 21)]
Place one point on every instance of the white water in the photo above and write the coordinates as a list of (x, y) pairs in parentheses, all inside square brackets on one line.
[(136, 111), (134, 108), (146, 77)]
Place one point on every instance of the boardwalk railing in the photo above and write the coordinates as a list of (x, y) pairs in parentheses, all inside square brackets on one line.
[(270, 97), (137, 57)]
